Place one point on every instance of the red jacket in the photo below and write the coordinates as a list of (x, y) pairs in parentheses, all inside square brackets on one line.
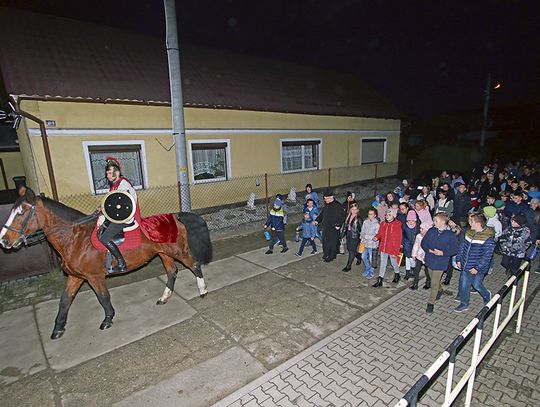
[(390, 237)]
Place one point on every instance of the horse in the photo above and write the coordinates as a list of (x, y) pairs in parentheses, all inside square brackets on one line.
[(70, 236)]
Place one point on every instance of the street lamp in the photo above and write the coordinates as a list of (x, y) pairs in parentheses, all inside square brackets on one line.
[(486, 108)]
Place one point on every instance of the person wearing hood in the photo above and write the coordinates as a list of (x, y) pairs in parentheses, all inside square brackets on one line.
[(331, 218), (514, 243), (276, 222)]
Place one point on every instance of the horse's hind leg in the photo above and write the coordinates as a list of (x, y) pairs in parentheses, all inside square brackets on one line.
[(201, 284), (172, 271), (72, 286), (102, 293)]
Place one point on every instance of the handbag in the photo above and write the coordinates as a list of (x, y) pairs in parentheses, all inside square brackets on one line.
[(361, 247), (342, 245)]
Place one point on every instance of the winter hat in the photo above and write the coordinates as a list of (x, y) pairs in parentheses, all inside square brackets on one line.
[(499, 204), (426, 225), (411, 215), (490, 211), (278, 203), (392, 211), (327, 193), (519, 219)]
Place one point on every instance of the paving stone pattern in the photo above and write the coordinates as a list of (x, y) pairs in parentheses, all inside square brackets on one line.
[(374, 360)]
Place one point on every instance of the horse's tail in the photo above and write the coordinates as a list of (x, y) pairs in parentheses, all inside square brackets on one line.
[(198, 237)]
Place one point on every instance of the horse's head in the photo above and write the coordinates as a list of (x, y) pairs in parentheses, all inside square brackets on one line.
[(21, 222)]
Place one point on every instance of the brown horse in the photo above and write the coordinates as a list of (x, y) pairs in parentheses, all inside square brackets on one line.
[(81, 262)]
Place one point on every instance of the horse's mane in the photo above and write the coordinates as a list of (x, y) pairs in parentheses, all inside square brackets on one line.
[(61, 210)]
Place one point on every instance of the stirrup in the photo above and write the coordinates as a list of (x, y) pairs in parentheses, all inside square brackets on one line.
[(116, 269)]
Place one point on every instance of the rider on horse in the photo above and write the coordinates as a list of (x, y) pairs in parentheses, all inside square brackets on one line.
[(108, 229)]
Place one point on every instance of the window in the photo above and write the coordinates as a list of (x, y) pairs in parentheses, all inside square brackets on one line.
[(373, 150), (300, 155), (210, 160), (131, 157)]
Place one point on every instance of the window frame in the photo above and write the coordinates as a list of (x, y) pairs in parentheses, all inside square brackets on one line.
[(228, 160), (383, 139), (87, 145), (313, 140)]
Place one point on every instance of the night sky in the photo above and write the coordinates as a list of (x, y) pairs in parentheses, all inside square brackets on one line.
[(426, 57)]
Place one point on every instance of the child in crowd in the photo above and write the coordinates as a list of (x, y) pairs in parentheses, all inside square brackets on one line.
[(309, 232), (410, 230), (422, 210), (389, 237), (276, 223), (381, 206), (403, 210), (418, 255), (311, 209), (455, 227), (514, 242), (370, 228), (490, 212)]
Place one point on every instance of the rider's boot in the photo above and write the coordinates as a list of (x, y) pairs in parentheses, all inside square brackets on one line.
[(121, 266)]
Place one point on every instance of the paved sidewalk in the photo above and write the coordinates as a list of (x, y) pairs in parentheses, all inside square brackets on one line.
[(375, 359)]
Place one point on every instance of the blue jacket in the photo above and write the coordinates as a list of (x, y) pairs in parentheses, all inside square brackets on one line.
[(276, 220), (476, 250), (444, 240), (308, 228), (407, 240)]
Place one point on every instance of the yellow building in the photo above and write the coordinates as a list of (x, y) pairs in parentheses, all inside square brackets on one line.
[(98, 91)]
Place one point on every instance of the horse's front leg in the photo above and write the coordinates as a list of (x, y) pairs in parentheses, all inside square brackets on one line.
[(172, 271), (102, 293), (72, 286)]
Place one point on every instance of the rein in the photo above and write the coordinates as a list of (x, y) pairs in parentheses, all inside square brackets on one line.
[(31, 239)]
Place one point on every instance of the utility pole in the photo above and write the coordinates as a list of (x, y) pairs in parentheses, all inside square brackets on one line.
[(486, 111), (177, 105)]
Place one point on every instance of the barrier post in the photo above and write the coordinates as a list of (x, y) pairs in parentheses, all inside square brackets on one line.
[(523, 294), (474, 360), (450, 378)]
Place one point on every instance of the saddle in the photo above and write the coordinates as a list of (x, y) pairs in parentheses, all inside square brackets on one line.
[(129, 238)]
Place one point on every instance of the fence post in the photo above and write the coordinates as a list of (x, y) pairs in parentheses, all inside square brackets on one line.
[(375, 180), (266, 190), (4, 174), (329, 172), (180, 195)]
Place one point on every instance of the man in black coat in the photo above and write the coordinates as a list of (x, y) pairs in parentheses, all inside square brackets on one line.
[(331, 218), (462, 204)]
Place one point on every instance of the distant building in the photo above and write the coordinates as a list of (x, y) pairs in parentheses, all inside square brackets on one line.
[(103, 91)]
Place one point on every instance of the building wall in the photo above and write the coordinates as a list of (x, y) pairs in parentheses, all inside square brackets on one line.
[(255, 142), (13, 166)]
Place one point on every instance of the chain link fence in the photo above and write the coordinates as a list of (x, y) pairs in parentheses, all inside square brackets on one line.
[(241, 200)]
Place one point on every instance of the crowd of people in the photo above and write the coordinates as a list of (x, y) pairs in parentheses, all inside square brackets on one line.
[(451, 223)]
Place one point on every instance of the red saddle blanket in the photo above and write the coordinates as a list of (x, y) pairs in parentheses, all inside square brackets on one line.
[(157, 228)]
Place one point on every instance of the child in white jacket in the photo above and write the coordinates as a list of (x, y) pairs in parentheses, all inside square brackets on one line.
[(419, 255)]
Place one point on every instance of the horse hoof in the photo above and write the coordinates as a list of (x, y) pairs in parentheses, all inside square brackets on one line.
[(105, 325), (161, 302), (57, 334)]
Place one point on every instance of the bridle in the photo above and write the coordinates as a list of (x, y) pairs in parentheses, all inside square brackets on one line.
[(39, 236), (29, 239)]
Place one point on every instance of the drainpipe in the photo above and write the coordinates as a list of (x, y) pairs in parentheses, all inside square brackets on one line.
[(46, 148)]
